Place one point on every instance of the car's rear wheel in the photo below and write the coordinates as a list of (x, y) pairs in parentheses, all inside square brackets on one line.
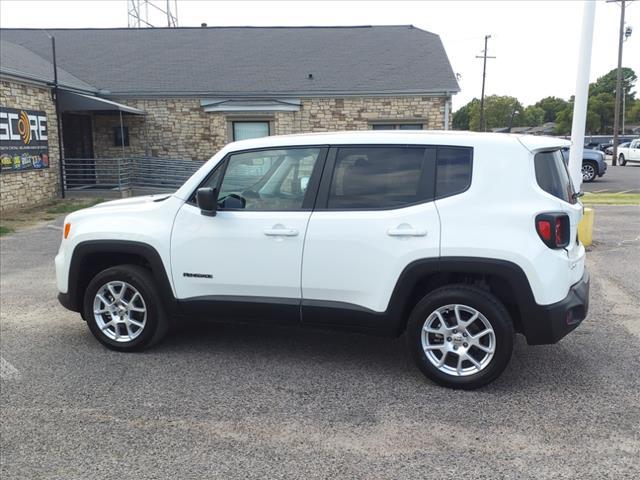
[(589, 172), (460, 336), (123, 308), (621, 160)]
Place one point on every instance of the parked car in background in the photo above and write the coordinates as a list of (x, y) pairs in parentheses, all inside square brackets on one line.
[(593, 164), (631, 153), (609, 149)]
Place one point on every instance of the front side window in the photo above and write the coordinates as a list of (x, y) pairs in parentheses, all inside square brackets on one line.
[(246, 130), (552, 175), (267, 179), (377, 177)]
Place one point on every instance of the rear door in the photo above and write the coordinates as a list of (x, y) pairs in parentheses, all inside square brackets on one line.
[(374, 215)]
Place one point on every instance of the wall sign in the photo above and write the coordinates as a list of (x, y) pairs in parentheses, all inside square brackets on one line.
[(24, 140)]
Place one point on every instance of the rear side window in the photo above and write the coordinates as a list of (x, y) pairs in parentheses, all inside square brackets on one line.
[(552, 175), (453, 173), (377, 177)]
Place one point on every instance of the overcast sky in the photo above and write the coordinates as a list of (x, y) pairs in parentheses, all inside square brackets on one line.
[(535, 42)]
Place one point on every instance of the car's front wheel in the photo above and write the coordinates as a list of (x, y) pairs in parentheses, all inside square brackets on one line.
[(460, 336), (123, 308), (589, 172), (621, 160)]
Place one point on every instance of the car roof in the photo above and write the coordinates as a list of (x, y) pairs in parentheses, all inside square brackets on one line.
[(408, 137)]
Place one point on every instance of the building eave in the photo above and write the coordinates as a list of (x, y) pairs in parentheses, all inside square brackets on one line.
[(293, 94)]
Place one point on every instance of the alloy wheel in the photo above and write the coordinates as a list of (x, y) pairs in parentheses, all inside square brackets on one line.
[(119, 311), (458, 340), (588, 172)]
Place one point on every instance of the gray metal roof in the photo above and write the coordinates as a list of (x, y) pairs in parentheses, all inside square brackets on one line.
[(249, 61), (21, 62)]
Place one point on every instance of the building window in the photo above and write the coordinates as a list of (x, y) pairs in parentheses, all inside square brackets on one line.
[(118, 133), (397, 126), (244, 130)]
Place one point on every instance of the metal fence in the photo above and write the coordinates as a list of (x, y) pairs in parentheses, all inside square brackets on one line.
[(125, 174)]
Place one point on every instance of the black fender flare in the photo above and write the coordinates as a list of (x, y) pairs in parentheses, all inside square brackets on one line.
[(143, 250)]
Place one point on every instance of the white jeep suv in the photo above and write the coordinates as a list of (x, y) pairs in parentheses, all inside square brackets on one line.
[(455, 239)]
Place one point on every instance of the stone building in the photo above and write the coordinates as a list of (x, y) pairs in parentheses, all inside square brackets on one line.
[(183, 93)]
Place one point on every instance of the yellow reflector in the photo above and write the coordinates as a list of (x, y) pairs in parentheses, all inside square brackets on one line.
[(67, 227)]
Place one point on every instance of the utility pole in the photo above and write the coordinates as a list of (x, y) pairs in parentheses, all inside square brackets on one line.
[(616, 115), (484, 56)]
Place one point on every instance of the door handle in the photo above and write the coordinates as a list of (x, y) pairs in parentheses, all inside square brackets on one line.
[(406, 231), (281, 232)]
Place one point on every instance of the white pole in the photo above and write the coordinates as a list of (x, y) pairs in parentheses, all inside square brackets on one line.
[(582, 94)]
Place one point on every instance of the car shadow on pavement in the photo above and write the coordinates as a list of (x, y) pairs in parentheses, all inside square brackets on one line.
[(319, 352)]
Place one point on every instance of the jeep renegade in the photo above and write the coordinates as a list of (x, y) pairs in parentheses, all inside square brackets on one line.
[(458, 240)]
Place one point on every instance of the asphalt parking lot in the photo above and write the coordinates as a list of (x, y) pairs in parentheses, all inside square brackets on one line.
[(617, 179), (219, 401)]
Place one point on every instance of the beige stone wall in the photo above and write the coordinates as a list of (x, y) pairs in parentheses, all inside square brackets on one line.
[(180, 128), (173, 127), (31, 187)]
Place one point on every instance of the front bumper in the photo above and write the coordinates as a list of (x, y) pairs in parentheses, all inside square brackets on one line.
[(67, 302), (545, 324), (603, 168)]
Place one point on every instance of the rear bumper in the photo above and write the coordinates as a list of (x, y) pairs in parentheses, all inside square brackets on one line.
[(545, 324)]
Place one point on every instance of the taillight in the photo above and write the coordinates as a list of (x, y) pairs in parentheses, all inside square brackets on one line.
[(554, 229)]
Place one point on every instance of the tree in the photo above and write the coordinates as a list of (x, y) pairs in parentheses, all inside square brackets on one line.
[(564, 120), (633, 112), (602, 105), (497, 112), (607, 83), (551, 107), (462, 115), (532, 116)]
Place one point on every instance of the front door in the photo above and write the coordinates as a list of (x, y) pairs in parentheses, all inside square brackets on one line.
[(246, 261)]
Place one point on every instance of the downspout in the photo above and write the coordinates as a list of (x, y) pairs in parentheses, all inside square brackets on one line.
[(447, 99), (122, 145), (58, 116)]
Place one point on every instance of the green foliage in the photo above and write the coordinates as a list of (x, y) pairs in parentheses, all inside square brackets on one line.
[(462, 116), (600, 110), (633, 112), (551, 107), (5, 230), (532, 116), (607, 83), (497, 111)]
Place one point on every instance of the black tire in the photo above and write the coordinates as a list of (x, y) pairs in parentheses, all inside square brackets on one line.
[(485, 303), (592, 171), (156, 325), (621, 160)]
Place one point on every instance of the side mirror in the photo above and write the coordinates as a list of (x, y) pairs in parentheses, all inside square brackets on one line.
[(207, 200)]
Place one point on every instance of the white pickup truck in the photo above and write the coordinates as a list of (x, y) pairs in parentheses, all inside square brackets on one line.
[(630, 153)]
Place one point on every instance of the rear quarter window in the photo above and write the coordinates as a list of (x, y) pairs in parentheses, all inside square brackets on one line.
[(453, 171), (552, 175)]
